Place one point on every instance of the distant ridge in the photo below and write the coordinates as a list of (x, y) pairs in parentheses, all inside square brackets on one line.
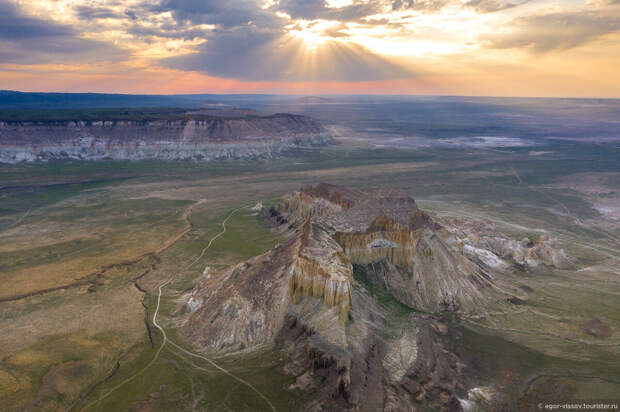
[(313, 100), (10, 99), (172, 134)]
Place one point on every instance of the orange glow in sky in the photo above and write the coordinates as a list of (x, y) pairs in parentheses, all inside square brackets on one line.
[(458, 47)]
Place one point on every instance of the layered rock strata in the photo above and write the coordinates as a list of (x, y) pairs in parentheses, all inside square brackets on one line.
[(310, 298), (415, 258), (199, 138)]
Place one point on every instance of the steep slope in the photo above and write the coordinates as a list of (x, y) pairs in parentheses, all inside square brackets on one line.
[(342, 345), (354, 345), (417, 260), (200, 136)]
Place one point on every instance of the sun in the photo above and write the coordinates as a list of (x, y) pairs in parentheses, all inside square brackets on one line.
[(313, 33), (311, 40)]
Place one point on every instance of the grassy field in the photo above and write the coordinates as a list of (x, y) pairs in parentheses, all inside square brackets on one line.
[(79, 242)]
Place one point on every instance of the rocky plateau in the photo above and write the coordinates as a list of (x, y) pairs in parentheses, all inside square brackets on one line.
[(314, 297), (207, 135)]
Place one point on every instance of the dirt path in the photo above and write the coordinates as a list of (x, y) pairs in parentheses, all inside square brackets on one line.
[(132, 377), (218, 367), (167, 340), (188, 226)]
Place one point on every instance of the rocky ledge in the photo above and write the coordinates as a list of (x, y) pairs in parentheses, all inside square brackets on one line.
[(481, 241), (384, 234), (357, 300), (199, 136)]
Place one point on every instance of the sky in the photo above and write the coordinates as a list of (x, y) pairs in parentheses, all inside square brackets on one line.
[(560, 48)]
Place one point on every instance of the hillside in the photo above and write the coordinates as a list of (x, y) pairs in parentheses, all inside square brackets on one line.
[(352, 349)]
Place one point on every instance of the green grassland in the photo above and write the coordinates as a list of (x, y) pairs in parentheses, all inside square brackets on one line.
[(90, 230)]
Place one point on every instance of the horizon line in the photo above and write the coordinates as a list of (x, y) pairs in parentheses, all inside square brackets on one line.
[(320, 94)]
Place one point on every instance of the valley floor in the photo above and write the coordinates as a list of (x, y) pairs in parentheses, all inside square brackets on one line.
[(90, 251)]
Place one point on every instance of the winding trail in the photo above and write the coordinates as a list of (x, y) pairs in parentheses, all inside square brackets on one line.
[(132, 377), (167, 340), (221, 369)]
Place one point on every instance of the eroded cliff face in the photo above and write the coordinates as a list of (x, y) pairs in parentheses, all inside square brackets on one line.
[(420, 262), (330, 330), (310, 298), (321, 270), (342, 298), (200, 139), (246, 305)]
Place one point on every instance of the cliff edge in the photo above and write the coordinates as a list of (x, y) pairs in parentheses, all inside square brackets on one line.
[(357, 299), (170, 136)]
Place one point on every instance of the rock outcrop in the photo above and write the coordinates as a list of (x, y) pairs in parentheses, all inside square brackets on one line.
[(414, 258), (311, 298), (192, 136), (481, 241)]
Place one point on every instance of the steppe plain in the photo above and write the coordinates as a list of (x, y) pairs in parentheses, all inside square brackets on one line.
[(86, 246)]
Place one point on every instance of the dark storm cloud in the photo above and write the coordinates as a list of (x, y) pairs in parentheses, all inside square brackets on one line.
[(556, 31), (28, 40)]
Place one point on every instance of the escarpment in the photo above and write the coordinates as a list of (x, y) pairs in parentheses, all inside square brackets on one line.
[(311, 298), (188, 136), (416, 259), (320, 269)]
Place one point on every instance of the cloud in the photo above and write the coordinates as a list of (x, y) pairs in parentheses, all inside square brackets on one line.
[(221, 12), (166, 32), (24, 39), (85, 12), (318, 9), (14, 26), (294, 40), (604, 3), (264, 55), (419, 5), (490, 6), (554, 31), (356, 11), (252, 43)]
